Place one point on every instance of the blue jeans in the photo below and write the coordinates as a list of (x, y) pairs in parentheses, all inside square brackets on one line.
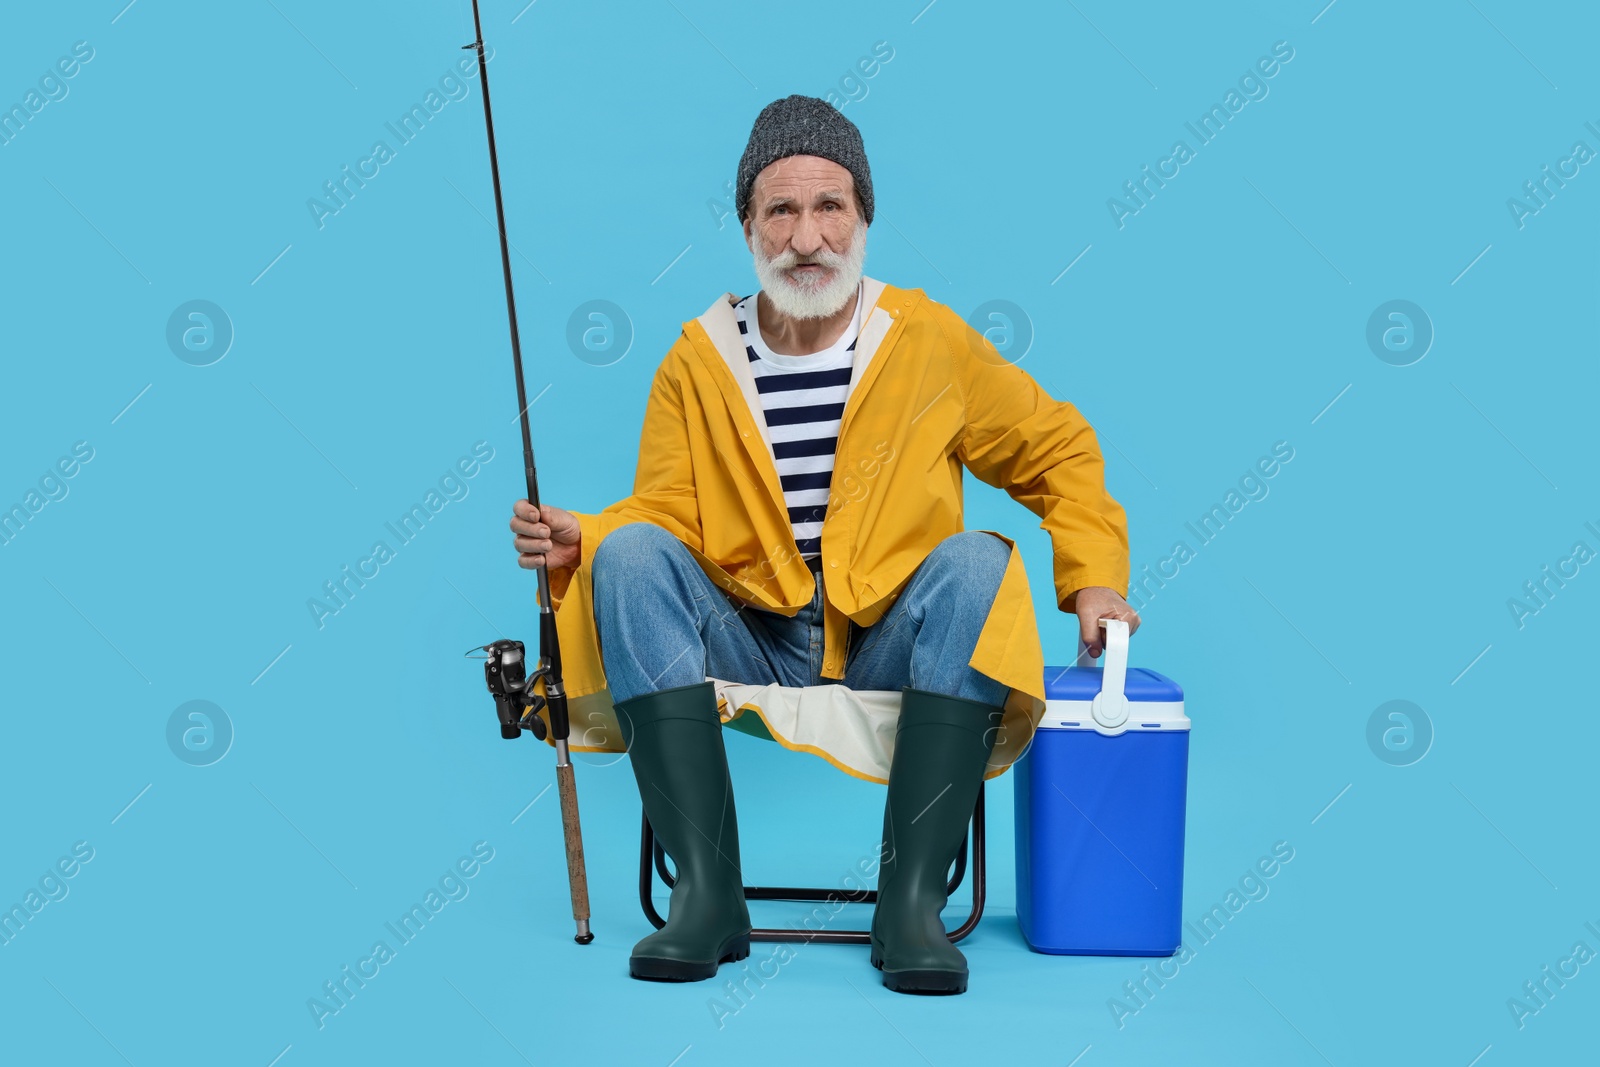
[(663, 623)]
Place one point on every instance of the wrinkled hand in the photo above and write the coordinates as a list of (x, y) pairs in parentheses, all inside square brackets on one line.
[(1098, 602), (546, 535)]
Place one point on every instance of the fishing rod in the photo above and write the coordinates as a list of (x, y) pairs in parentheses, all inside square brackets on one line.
[(505, 667)]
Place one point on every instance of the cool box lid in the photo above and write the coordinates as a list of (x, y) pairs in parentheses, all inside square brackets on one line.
[(1082, 683), (1113, 698)]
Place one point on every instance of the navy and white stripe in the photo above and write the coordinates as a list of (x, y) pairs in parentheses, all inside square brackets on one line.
[(803, 398)]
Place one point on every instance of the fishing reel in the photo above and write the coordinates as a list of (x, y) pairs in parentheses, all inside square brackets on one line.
[(505, 672)]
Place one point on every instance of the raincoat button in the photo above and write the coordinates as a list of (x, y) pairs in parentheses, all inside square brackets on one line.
[(833, 563)]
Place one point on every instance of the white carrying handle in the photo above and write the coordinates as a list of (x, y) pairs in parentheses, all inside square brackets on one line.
[(1111, 708)]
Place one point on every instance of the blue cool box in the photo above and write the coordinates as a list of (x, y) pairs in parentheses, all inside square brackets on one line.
[(1100, 817)]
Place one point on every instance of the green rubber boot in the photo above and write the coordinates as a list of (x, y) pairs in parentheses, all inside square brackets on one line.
[(941, 751), (674, 741)]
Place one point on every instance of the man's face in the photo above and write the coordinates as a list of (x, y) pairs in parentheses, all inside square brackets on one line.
[(807, 235)]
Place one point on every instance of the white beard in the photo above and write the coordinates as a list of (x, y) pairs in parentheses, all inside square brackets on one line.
[(802, 299)]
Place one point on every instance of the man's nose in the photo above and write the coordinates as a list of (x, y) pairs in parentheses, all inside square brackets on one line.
[(807, 237)]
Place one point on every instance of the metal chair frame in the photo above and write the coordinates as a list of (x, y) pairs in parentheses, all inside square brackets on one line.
[(653, 860)]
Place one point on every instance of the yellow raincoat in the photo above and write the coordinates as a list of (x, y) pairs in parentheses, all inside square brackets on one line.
[(928, 394)]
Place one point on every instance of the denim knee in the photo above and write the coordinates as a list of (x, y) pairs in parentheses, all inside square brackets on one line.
[(974, 559), (632, 548)]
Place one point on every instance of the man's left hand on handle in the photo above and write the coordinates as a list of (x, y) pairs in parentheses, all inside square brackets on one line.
[(1098, 602)]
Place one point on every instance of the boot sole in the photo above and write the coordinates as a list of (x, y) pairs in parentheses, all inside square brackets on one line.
[(932, 983), (666, 969)]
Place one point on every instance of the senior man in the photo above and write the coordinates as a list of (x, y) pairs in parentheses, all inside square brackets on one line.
[(796, 520)]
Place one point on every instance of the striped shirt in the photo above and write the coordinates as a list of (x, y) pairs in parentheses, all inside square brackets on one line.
[(803, 398)]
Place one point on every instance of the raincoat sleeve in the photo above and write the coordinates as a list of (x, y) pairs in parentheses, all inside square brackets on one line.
[(1046, 456), (663, 482)]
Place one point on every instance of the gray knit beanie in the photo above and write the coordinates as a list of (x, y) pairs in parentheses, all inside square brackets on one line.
[(803, 126)]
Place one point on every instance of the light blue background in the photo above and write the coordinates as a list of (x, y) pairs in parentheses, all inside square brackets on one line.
[(1228, 314)]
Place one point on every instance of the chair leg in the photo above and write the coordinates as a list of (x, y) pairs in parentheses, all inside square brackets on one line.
[(652, 861), (647, 845)]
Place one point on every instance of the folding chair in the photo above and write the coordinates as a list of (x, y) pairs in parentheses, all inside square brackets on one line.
[(653, 860)]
